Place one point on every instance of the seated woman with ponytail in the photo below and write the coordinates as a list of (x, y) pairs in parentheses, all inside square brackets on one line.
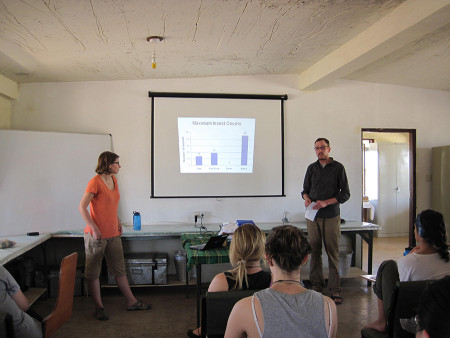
[(246, 256), (427, 261)]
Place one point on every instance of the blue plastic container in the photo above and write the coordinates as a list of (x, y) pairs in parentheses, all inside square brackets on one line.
[(239, 222), (136, 220), (407, 250)]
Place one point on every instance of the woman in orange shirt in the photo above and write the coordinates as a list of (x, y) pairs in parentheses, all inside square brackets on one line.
[(102, 233)]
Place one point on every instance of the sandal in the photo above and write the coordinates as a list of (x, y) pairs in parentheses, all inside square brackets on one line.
[(139, 305), (101, 314), (191, 334), (337, 299)]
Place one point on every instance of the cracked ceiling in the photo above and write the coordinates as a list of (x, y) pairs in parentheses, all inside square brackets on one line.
[(404, 42)]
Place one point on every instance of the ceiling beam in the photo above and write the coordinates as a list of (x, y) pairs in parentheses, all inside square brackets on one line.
[(406, 23), (8, 88), (15, 59)]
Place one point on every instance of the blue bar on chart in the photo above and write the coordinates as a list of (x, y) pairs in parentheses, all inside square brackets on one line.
[(244, 150), (213, 158), (198, 160)]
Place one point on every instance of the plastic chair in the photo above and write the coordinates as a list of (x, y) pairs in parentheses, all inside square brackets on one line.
[(404, 305), (6, 325), (64, 302), (216, 308)]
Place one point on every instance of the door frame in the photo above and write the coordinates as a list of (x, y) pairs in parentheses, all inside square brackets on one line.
[(412, 172)]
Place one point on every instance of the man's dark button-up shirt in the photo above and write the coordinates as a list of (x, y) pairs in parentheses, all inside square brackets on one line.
[(322, 183)]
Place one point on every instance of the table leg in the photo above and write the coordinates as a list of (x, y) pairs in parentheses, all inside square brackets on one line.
[(187, 280), (46, 272), (199, 291), (370, 255), (353, 237), (367, 236)]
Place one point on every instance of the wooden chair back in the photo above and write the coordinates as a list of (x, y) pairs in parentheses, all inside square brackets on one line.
[(64, 301)]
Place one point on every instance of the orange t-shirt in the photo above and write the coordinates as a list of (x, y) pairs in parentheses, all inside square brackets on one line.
[(103, 207)]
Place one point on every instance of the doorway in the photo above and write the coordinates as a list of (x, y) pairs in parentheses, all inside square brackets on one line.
[(389, 180)]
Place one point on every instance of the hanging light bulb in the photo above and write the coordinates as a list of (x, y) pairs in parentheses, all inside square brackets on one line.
[(153, 60), (154, 39)]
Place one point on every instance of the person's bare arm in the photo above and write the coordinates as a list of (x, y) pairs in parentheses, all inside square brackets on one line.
[(120, 225), (21, 301), (239, 318), (334, 318), (82, 208), (322, 204), (307, 200)]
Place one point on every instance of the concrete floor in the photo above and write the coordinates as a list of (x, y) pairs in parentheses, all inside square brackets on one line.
[(173, 314)]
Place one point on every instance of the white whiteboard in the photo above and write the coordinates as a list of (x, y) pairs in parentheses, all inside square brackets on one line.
[(42, 178)]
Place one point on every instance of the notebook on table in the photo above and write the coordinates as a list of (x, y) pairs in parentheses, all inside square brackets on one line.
[(213, 243)]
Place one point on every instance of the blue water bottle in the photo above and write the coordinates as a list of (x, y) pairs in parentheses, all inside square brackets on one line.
[(136, 220), (407, 250)]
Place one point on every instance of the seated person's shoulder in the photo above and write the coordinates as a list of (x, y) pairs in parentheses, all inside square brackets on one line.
[(8, 280), (219, 283), (244, 305), (245, 302)]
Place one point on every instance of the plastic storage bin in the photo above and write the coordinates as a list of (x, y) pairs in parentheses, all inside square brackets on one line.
[(139, 268), (160, 271), (53, 278)]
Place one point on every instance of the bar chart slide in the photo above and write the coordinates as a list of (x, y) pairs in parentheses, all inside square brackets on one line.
[(216, 145)]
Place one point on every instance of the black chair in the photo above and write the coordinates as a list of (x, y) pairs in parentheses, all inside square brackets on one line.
[(6, 325), (404, 305), (216, 308)]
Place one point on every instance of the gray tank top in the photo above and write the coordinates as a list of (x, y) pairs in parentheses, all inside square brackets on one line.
[(297, 316)]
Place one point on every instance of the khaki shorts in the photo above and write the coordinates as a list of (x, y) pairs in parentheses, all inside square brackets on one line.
[(111, 249)]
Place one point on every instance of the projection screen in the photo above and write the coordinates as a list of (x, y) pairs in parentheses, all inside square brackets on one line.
[(217, 145)]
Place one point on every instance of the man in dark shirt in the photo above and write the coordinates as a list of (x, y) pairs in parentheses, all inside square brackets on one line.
[(325, 184)]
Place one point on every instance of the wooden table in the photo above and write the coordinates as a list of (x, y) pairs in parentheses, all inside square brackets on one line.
[(23, 244)]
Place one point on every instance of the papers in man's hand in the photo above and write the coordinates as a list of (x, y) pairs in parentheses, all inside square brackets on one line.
[(310, 212)]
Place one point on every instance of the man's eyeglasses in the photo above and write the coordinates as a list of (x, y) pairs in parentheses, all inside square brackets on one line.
[(116, 162), (321, 148)]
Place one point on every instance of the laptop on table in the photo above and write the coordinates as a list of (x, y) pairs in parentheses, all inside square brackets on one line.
[(213, 243)]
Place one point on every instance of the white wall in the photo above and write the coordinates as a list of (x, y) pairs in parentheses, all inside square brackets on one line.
[(122, 108)]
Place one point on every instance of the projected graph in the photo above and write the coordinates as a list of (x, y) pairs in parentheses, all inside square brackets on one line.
[(216, 145), (217, 152)]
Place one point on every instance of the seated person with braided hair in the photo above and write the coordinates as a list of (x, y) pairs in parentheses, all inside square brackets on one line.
[(428, 260), (434, 310), (246, 256)]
